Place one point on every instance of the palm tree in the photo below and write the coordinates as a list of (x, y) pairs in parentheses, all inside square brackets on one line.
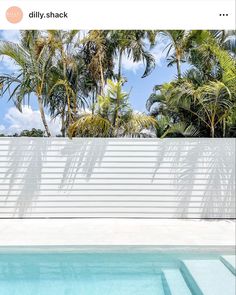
[(176, 48), (97, 54), (34, 62), (204, 97), (226, 40), (64, 83), (132, 44), (215, 101), (100, 124), (211, 103)]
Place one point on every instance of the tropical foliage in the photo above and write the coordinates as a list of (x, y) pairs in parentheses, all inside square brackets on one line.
[(78, 78), (202, 100), (113, 116), (28, 133)]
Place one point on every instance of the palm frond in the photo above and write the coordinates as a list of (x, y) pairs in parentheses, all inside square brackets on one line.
[(15, 52), (90, 126), (137, 123), (183, 129)]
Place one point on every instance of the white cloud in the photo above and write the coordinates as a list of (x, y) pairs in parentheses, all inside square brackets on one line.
[(7, 65), (28, 119), (159, 51), (129, 65), (10, 35), (2, 129)]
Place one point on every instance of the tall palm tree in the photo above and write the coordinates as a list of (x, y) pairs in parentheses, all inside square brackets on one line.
[(97, 53), (133, 44), (64, 81), (176, 47), (34, 62)]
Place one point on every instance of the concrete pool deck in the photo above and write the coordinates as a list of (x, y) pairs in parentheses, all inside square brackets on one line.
[(117, 232)]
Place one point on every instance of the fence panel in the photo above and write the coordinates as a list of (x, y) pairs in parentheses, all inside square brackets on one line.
[(117, 178)]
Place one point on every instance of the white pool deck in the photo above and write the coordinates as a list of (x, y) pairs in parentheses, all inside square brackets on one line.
[(116, 232)]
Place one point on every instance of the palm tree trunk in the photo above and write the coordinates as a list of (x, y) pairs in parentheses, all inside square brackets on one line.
[(63, 124), (117, 101), (115, 114), (120, 65), (101, 75), (41, 110), (212, 131), (93, 102), (224, 127), (178, 68)]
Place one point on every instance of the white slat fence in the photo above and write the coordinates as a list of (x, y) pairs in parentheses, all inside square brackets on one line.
[(117, 178)]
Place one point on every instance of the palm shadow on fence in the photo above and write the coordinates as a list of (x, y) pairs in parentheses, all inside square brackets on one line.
[(24, 174), (33, 163), (204, 176), (201, 176)]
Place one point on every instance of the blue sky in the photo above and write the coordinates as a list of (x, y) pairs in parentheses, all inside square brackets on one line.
[(11, 120)]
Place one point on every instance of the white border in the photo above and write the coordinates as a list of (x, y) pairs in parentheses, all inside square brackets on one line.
[(117, 232), (129, 14)]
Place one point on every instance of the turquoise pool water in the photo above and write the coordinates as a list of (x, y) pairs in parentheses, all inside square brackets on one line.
[(101, 273)]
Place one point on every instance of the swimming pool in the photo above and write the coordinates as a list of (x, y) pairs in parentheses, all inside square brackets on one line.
[(123, 272)]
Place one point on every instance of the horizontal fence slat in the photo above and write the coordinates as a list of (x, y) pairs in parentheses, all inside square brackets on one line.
[(110, 181), (139, 192), (117, 198), (116, 209)]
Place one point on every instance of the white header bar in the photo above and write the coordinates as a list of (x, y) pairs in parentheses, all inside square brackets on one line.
[(117, 14)]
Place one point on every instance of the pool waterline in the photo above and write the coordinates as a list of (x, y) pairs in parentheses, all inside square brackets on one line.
[(118, 248)]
